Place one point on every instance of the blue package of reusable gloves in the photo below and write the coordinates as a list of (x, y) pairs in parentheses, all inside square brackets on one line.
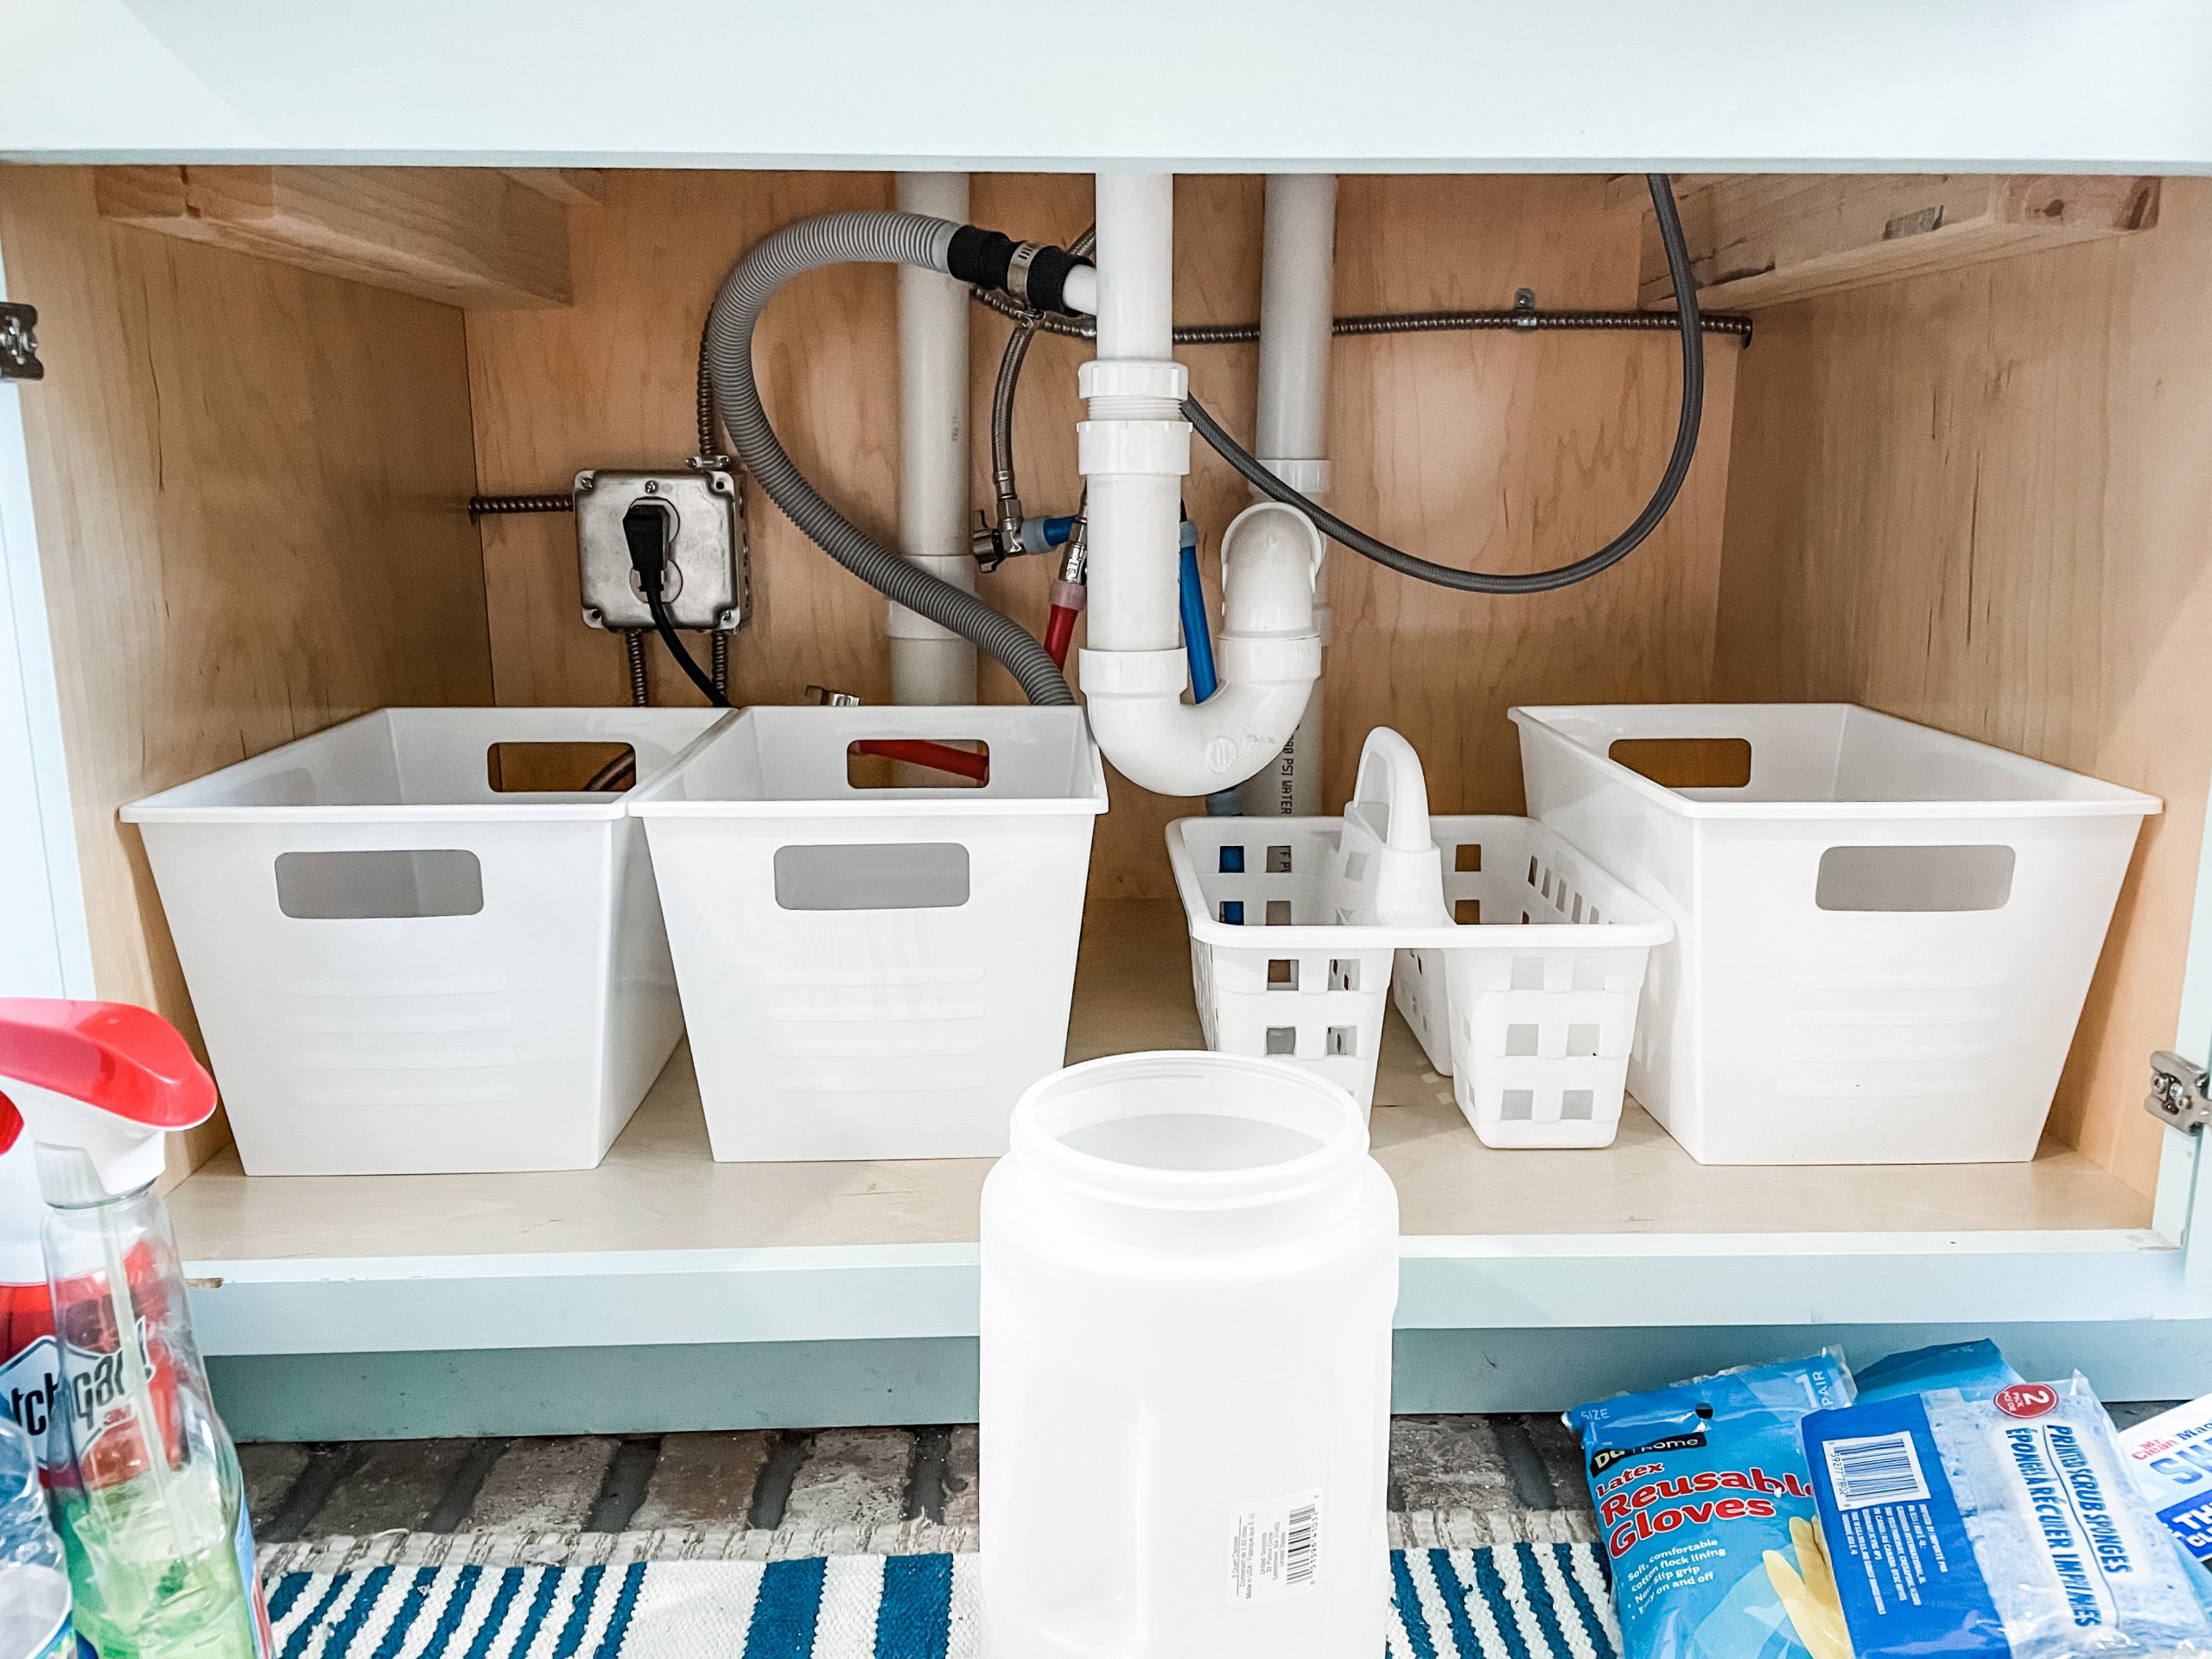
[(1705, 1505)]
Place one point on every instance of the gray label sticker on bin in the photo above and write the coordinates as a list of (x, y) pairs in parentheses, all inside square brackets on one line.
[(897, 875)]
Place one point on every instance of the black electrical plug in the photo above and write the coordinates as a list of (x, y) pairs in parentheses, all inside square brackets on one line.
[(648, 527)]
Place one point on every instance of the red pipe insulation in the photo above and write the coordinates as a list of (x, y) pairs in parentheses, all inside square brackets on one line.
[(938, 757)]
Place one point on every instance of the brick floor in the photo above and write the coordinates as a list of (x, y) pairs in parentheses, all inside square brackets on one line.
[(866, 1478)]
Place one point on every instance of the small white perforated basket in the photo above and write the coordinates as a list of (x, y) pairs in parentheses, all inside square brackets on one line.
[(1530, 1005), (1296, 985), (1294, 921)]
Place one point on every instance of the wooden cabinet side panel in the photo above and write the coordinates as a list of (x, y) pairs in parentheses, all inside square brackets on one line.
[(248, 481), (1978, 499)]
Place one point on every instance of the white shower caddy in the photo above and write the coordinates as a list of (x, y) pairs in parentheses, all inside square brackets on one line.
[(1296, 923)]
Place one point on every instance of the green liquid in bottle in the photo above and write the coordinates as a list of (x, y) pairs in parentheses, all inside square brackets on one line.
[(141, 1596)]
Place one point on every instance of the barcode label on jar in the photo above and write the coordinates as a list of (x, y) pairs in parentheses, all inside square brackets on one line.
[(1274, 1549), (1875, 1469)]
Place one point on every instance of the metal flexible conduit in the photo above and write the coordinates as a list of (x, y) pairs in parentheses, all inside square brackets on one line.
[(707, 441), (481, 506), (839, 238), (1735, 325), (710, 454)]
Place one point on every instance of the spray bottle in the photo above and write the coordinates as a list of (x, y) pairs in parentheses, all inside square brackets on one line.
[(149, 1502), (30, 1374)]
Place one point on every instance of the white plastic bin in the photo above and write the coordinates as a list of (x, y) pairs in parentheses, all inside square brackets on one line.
[(1884, 933), (1531, 1009), (1293, 921), (1188, 1267), (400, 969), (873, 972)]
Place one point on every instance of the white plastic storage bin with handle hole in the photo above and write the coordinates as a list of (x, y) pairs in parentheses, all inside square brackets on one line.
[(1531, 1009), (401, 966), (873, 972), (1884, 933), (1293, 921)]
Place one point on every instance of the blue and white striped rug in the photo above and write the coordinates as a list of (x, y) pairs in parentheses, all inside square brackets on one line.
[(1514, 1601)]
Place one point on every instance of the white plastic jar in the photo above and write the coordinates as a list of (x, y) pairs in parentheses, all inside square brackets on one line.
[(1188, 1267)]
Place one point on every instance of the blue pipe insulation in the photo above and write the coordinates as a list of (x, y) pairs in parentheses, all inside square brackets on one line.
[(1198, 641), (1198, 636), (1043, 535)]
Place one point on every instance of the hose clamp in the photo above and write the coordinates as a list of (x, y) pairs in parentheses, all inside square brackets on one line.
[(1017, 271)]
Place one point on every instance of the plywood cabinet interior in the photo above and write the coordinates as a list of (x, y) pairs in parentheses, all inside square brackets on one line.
[(1503, 451), (1970, 497), (1978, 499), (243, 477)]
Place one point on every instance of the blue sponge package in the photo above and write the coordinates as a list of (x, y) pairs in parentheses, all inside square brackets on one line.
[(1706, 1507), (2002, 1525)]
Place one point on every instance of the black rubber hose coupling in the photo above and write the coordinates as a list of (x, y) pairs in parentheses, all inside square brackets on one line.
[(1033, 274)]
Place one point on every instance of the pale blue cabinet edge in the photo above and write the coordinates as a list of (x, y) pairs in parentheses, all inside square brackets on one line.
[(753, 1298), (681, 1386)]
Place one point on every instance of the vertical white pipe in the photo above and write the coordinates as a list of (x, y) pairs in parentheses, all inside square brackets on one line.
[(929, 664), (1297, 317), (1135, 516), (1137, 266), (1297, 312)]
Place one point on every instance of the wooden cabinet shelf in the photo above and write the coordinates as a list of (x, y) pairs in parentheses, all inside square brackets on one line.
[(662, 1245), (1763, 239)]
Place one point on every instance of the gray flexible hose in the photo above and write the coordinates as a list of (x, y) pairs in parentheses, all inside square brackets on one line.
[(834, 239)]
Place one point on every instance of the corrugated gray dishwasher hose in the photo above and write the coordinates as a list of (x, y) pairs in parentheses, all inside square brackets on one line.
[(834, 239)]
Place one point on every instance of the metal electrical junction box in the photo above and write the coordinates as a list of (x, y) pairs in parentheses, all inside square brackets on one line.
[(708, 585)]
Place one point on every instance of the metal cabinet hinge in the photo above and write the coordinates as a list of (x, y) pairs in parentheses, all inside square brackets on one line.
[(2179, 1095), (19, 343)]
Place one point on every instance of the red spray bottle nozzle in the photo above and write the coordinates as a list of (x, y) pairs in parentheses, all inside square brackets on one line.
[(99, 1078), (123, 1059)]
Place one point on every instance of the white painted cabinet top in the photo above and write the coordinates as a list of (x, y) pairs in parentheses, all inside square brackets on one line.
[(1708, 85)]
